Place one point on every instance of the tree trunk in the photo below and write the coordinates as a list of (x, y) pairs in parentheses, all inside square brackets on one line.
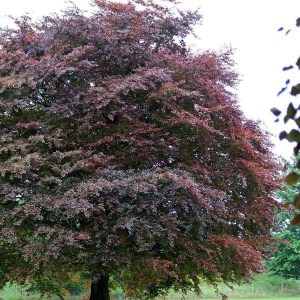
[(99, 289)]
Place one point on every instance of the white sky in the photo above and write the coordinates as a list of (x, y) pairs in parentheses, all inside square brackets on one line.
[(250, 27)]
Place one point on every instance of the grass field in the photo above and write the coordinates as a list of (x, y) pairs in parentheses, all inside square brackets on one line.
[(280, 298), (13, 293), (258, 298), (18, 297), (262, 287)]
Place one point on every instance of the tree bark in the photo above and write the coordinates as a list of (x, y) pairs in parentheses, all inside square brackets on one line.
[(100, 289)]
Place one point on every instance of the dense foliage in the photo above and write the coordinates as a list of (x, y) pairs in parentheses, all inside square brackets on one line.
[(285, 259), (123, 154)]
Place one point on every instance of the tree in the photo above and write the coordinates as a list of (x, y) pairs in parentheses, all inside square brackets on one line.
[(285, 260), (125, 156)]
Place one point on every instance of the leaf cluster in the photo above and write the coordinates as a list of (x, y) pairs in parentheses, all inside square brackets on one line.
[(293, 136)]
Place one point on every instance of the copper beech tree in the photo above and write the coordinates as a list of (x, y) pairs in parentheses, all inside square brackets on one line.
[(124, 156)]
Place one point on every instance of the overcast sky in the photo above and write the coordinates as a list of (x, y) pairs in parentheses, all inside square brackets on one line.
[(248, 26)]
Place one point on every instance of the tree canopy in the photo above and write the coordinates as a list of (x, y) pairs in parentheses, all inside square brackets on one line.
[(124, 155)]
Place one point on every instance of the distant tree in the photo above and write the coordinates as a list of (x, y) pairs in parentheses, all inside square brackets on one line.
[(124, 155), (285, 260)]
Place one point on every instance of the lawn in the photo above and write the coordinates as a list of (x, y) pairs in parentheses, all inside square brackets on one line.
[(270, 298), (262, 287), (280, 298)]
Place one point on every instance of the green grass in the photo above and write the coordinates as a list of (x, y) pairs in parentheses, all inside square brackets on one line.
[(14, 292), (233, 298), (263, 287)]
